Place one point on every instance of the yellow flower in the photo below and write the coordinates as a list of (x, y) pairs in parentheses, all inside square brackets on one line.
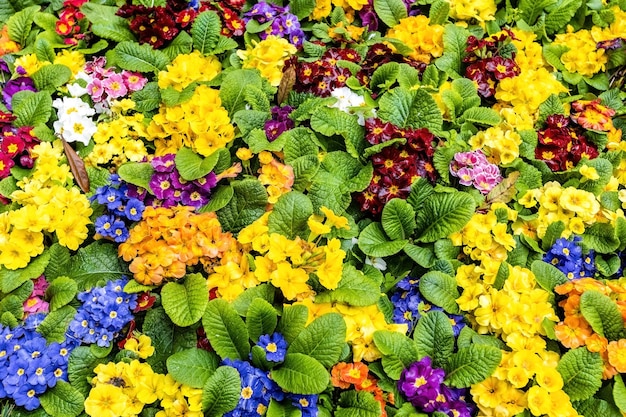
[(481, 10), (317, 227), (142, 346), (291, 282), (30, 63), (583, 56), (148, 388), (539, 401), (13, 255), (74, 60), (416, 32), (188, 68), (588, 172), (549, 378), (339, 222), (105, 400), (244, 154), (268, 56)]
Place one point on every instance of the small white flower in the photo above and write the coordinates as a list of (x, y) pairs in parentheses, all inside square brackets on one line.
[(378, 263), (76, 89), (349, 102), (71, 106), (76, 128)]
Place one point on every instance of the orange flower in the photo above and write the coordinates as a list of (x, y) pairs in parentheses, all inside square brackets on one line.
[(344, 374), (571, 305), (617, 354), (596, 343), (572, 332), (335, 376)]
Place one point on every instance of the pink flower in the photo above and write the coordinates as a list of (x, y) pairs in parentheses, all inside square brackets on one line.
[(114, 86), (134, 81), (36, 305), (41, 285), (96, 90)]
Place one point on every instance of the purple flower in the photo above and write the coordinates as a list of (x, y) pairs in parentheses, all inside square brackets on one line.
[(16, 85), (421, 384), (206, 183), (161, 185), (164, 163)]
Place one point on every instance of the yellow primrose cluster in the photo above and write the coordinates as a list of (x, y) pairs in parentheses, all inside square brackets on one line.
[(361, 323), (529, 89), (519, 307), (285, 263), (49, 205), (188, 68), (574, 207), (499, 143), (74, 60), (481, 10), (526, 379), (417, 33), (30, 63), (276, 176), (200, 123), (268, 56), (583, 56), (119, 140), (486, 238), (123, 389), (323, 8)]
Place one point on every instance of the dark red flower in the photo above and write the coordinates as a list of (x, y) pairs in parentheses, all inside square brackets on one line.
[(145, 300)]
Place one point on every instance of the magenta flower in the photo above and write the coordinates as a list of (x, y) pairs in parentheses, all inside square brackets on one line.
[(41, 285), (133, 80), (421, 384), (36, 305), (114, 86)]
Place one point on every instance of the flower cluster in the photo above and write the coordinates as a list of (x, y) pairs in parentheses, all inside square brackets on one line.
[(105, 85), (75, 122), (16, 146), (29, 366), (322, 76), (274, 345), (171, 189), (473, 169), (422, 384), (167, 240), (356, 374), (466, 10), (201, 124), (490, 60), (189, 68), (69, 23), (279, 123), (416, 32), (268, 56), (276, 176), (396, 167), (120, 209), (104, 313), (567, 256), (277, 22), (118, 140), (16, 84), (125, 388), (499, 143), (562, 145)]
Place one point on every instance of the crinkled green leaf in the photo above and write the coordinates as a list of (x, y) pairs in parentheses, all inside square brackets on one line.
[(424, 257), (560, 14), (410, 108), (54, 326), (582, 373), (192, 166), (332, 121), (390, 11), (323, 339), (182, 44), (278, 409), (49, 77), (604, 168), (551, 106), (374, 242), (302, 8), (552, 54), (602, 314), (454, 43), (234, 86), (59, 260), (60, 292), (226, 330), (471, 365), (81, 367), (246, 205), (441, 290), (12, 279), (205, 31), (192, 367), (301, 374), (434, 337), (33, 109), (619, 392), (221, 392), (444, 214), (158, 326), (398, 219), (137, 173), (601, 238), (399, 352), (290, 214), (220, 197), (439, 11), (481, 115), (148, 98), (354, 288), (242, 303), (261, 318), (132, 56), (292, 321), (185, 303), (11, 304), (385, 75), (553, 232), (595, 407), (62, 401), (547, 275), (357, 404), (106, 24), (95, 262), (19, 25)]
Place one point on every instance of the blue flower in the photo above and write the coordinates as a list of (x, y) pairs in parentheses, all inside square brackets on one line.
[(104, 225), (26, 396), (134, 209), (568, 257), (120, 231), (275, 347), (257, 389), (305, 403)]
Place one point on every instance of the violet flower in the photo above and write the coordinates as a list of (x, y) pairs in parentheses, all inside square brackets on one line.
[(14, 86)]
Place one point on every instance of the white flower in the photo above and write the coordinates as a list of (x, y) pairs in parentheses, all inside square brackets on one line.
[(76, 89), (75, 128), (71, 106), (349, 102), (378, 263)]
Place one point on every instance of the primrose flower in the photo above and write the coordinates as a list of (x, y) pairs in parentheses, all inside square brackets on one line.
[(421, 383), (275, 346)]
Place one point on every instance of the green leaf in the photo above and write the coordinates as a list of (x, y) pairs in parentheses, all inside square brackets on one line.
[(221, 392), (136, 173), (12, 305), (192, 166), (148, 98), (59, 259), (182, 44), (226, 330), (551, 106), (374, 242), (357, 404), (234, 86), (552, 54), (106, 24), (410, 108), (219, 199), (60, 292), (50, 77), (292, 322), (261, 318), (441, 290), (80, 368), (19, 25), (471, 365), (421, 190), (444, 214), (354, 288), (132, 56), (205, 31), (601, 238), (390, 11), (332, 121), (532, 9), (439, 11), (582, 373), (277, 409), (595, 407), (385, 75), (619, 392), (548, 276), (468, 92), (602, 314), (158, 326), (94, 263), (12, 279), (560, 13), (434, 337), (481, 115), (399, 352), (398, 219), (424, 257), (323, 339), (553, 233), (454, 43), (62, 401), (290, 214), (301, 374), (192, 367), (34, 109), (55, 324), (242, 303), (302, 8), (246, 205), (185, 303)]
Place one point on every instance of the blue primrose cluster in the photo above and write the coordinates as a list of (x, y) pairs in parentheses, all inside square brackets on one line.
[(120, 209), (567, 256), (258, 389), (410, 305), (28, 365), (104, 313)]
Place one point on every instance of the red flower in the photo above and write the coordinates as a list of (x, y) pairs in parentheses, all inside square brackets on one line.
[(144, 301), (12, 145), (6, 163)]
